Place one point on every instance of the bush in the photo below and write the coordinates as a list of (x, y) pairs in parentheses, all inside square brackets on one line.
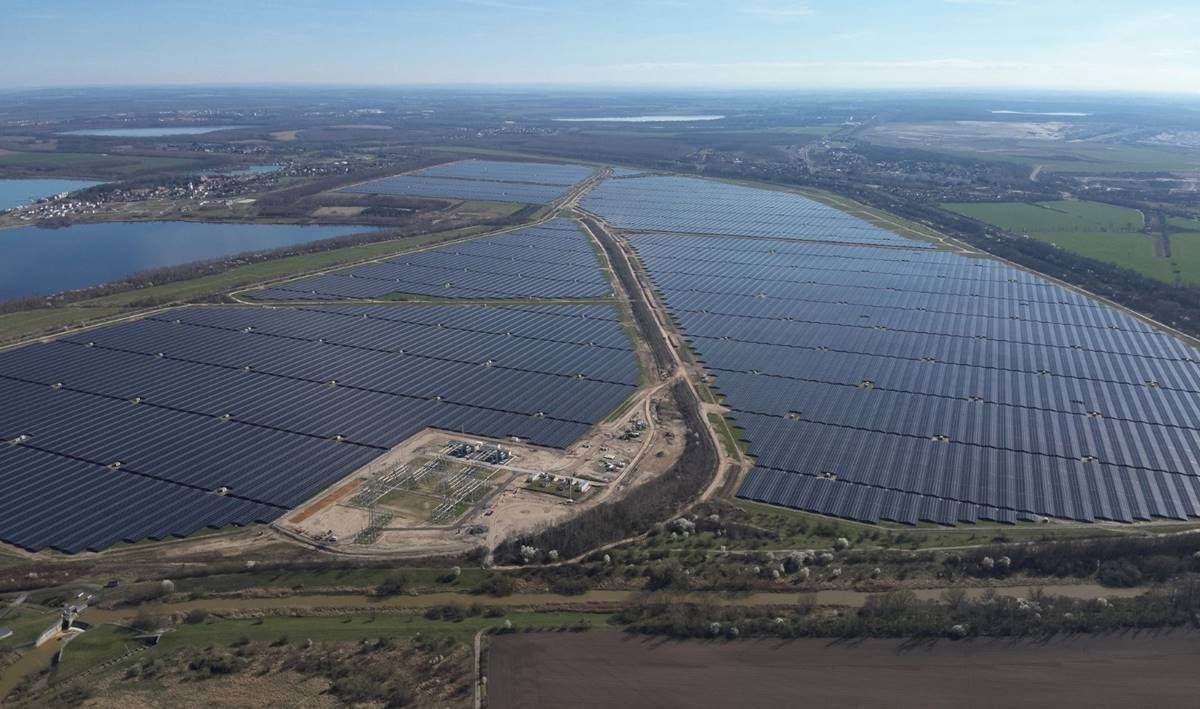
[(1120, 574), (393, 585), (146, 621), (195, 616), (495, 585), (570, 585), (450, 613)]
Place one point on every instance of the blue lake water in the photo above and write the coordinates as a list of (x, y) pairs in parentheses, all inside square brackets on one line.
[(44, 261), (14, 193), (149, 132)]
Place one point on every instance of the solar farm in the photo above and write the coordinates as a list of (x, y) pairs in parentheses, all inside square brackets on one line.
[(688, 205), (551, 260), (487, 180), (911, 384), (239, 414), (873, 377)]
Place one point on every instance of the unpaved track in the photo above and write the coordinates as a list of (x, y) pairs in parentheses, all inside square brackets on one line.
[(608, 669)]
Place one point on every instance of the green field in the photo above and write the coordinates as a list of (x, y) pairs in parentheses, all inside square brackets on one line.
[(107, 643), (25, 623), (1100, 231), (1185, 223)]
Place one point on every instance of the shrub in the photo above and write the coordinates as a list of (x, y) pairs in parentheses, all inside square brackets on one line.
[(495, 585), (393, 585), (195, 616), (1121, 574)]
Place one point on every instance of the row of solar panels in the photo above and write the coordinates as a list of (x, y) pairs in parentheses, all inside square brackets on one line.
[(783, 299), (544, 173), (54, 501), (1067, 434), (271, 405), (779, 316), (737, 249), (496, 181), (1027, 484), (1019, 356), (990, 386), (798, 263), (544, 261), (620, 173), (932, 386), (690, 205)]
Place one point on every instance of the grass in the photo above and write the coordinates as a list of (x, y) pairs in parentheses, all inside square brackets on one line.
[(1100, 231), (419, 580), (1058, 155), (494, 209), (1059, 217), (107, 642), (14, 326), (803, 530), (729, 440), (25, 623), (566, 491)]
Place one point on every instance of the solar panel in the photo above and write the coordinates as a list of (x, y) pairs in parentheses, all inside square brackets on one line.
[(882, 383), (551, 260), (489, 180), (691, 205), (273, 405)]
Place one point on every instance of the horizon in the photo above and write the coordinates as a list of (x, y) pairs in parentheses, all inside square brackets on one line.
[(782, 45)]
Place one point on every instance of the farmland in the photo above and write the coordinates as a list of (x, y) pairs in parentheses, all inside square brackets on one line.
[(1099, 231), (601, 670), (1058, 146)]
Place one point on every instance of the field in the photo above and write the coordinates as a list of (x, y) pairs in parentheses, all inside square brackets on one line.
[(98, 165), (1100, 231), (607, 669), (1055, 145)]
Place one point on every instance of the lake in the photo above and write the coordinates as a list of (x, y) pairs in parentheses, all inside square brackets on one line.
[(641, 119), (44, 261), (14, 193), (149, 132)]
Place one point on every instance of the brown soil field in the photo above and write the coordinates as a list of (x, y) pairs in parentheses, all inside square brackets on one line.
[(1135, 669)]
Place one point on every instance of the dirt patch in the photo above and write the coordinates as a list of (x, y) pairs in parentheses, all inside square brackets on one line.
[(285, 136), (610, 669), (341, 491)]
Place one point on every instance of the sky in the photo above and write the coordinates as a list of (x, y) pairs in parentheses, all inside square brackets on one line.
[(1090, 45)]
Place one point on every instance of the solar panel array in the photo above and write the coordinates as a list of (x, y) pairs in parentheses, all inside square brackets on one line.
[(915, 384), (551, 260), (620, 173), (490, 180), (125, 432), (690, 205)]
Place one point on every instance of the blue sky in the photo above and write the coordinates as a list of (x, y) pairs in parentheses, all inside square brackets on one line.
[(1148, 45)]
